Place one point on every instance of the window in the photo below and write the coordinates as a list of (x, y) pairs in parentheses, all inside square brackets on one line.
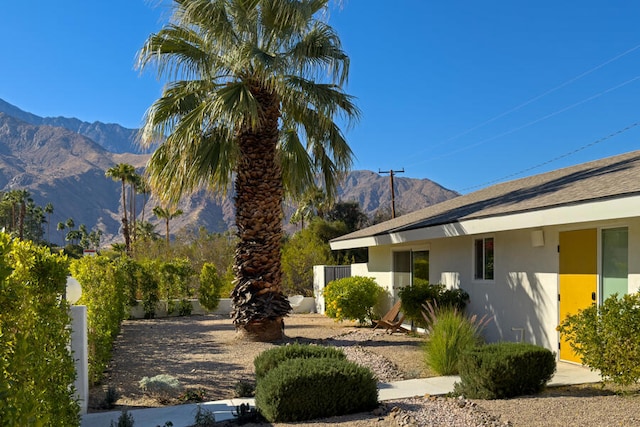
[(615, 262), (483, 259), (419, 267), (410, 267)]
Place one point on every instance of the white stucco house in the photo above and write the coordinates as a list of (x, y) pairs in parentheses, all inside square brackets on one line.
[(528, 251)]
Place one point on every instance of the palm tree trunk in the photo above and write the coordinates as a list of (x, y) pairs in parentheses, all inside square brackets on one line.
[(258, 302), (125, 223)]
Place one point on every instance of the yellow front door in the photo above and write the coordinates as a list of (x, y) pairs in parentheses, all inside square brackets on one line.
[(578, 277)]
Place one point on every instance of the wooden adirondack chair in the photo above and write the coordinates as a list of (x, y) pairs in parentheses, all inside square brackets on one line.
[(389, 321)]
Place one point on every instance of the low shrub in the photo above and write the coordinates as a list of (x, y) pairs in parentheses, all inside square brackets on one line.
[(124, 420), (161, 387), (450, 333), (607, 338), (352, 298), (304, 389), (504, 370), (270, 359), (413, 297)]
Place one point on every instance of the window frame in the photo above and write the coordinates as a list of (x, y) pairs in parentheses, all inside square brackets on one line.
[(476, 257)]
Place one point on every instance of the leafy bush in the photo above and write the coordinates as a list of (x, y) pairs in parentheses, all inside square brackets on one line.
[(210, 287), (607, 338), (37, 372), (270, 359), (421, 292), (450, 334), (105, 293), (149, 291), (304, 389), (352, 298), (504, 370), (175, 279)]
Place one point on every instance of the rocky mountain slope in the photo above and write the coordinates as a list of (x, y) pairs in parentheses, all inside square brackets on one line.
[(66, 168), (110, 136)]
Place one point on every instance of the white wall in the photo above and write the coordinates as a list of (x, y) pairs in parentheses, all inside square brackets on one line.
[(523, 298)]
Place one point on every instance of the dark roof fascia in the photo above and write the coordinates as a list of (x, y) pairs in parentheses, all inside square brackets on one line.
[(421, 224)]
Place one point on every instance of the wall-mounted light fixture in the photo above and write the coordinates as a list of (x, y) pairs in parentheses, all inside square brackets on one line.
[(537, 238)]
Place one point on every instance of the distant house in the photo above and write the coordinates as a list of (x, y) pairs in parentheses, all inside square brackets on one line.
[(528, 252)]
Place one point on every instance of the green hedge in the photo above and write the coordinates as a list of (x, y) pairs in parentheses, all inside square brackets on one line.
[(269, 359), (105, 292), (36, 368), (503, 370), (305, 389)]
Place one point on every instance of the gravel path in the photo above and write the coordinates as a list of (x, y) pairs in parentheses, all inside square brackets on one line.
[(203, 354)]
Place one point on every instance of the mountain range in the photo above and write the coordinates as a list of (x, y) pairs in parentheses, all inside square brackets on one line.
[(63, 161)]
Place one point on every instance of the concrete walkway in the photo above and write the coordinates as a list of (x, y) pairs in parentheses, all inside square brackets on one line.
[(183, 415)]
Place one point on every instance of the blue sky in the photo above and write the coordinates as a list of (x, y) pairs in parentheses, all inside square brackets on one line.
[(465, 93)]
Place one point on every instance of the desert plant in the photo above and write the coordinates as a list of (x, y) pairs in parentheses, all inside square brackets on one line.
[(504, 370), (197, 395), (413, 297), (161, 387), (607, 338), (450, 333), (204, 418), (244, 413), (245, 389), (124, 420), (352, 298), (111, 395)]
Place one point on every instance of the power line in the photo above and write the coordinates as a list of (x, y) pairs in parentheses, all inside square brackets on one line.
[(538, 120), (562, 156), (532, 100)]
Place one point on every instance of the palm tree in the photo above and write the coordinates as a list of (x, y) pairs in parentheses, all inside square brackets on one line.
[(144, 189), (167, 215), (312, 203), (48, 209), (146, 230), (61, 226), (134, 181), (262, 86), (123, 172)]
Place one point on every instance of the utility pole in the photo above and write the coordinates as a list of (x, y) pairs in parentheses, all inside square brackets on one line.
[(393, 199)]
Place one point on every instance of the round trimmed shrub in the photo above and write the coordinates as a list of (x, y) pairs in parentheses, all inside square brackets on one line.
[(269, 359), (352, 298), (305, 389), (503, 370)]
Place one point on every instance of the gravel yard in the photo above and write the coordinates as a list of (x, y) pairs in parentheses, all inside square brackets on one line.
[(202, 352)]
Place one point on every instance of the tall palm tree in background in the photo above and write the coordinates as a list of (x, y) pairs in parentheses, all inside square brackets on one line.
[(260, 92), (144, 189), (60, 227), (167, 215), (134, 180), (123, 172), (48, 209)]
